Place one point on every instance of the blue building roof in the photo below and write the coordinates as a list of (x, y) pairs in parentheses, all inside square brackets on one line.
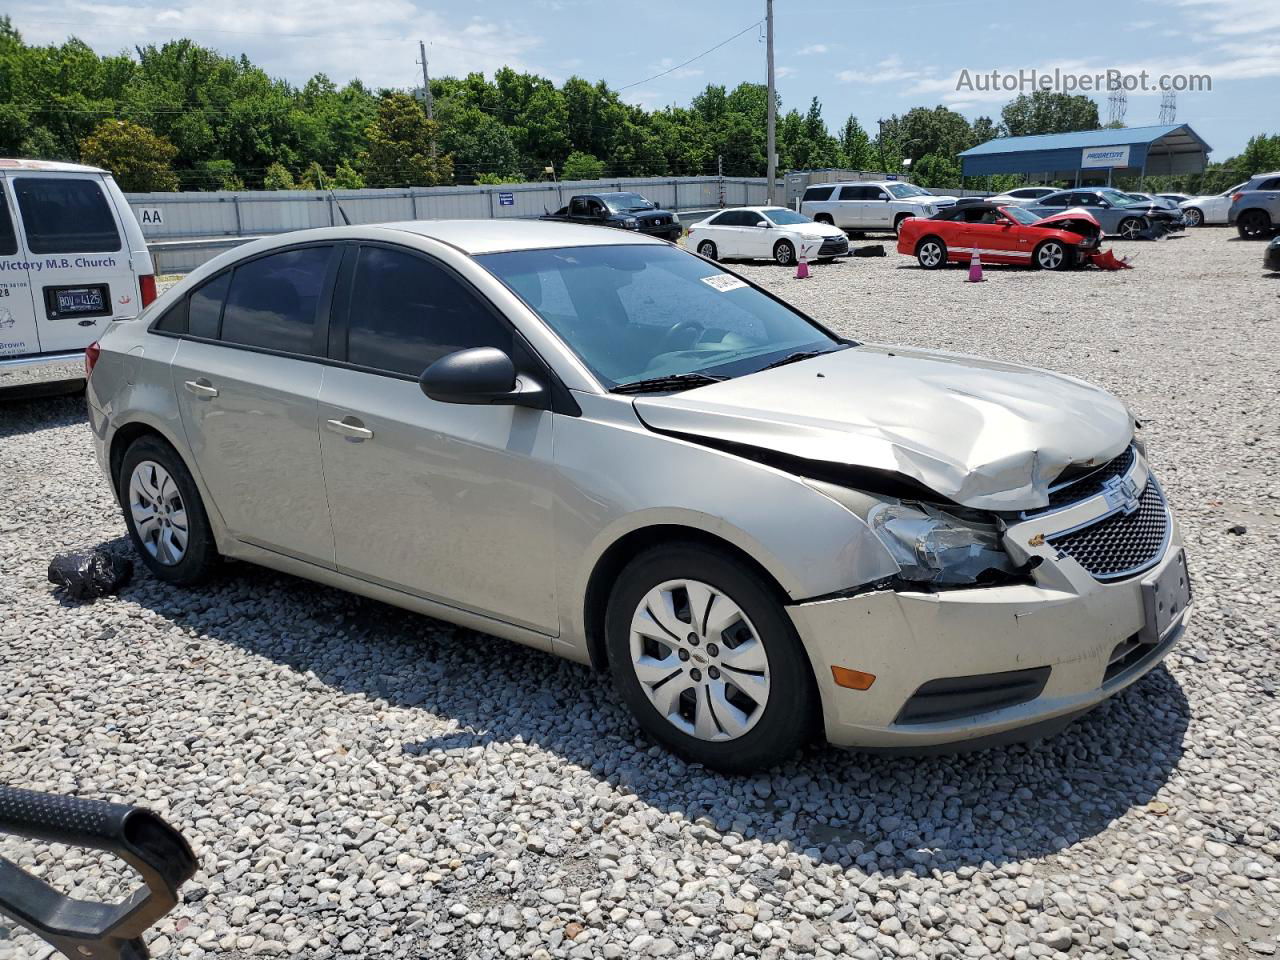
[(1164, 149)]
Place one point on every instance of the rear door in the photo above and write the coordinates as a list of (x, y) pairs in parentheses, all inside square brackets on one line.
[(18, 332), (80, 273), (248, 381)]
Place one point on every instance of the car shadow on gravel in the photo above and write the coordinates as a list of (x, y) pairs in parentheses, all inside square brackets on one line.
[(886, 814)]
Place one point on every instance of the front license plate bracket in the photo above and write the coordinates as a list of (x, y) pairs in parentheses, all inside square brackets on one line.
[(1164, 598)]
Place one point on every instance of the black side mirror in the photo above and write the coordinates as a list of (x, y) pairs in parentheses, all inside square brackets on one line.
[(479, 375)]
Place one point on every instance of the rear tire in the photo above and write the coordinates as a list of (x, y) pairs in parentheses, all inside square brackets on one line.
[(784, 253), (824, 218), (931, 253), (1195, 217), (1253, 224), (708, 249), (164, 514), (1052, 255), (718, 675)]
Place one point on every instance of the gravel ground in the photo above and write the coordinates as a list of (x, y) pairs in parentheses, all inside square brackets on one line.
[(358, 780)]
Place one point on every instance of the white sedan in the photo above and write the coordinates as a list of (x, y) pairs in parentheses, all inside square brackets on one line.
[(1211, 208), (773, 233)]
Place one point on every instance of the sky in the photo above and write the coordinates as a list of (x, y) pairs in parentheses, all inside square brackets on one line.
[(869, 59)]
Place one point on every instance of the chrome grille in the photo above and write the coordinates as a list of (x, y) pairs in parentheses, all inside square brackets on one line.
[(1088, 485), (1120, 545)]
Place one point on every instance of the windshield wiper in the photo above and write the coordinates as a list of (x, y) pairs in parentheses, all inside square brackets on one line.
[(675, 381), (795, 358)]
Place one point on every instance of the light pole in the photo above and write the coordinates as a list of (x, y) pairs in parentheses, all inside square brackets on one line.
[(771, 163)]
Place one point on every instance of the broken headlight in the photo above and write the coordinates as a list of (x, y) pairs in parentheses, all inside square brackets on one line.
[(937, 548)]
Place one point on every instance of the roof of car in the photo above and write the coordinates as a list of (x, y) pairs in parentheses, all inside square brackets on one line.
[(47, 166), (493, 236)]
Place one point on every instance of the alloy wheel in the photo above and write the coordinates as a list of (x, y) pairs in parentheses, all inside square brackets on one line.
[(930, 254), (707, 249), (1050, 256), (784, 253), (1130, 228), (699, 660), (1194, 217), (159, 515)]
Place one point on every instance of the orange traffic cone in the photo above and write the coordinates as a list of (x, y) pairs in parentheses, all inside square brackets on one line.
[(802, 264), (975, 268)]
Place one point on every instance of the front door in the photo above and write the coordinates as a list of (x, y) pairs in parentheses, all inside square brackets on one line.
[(80, 269), (248, 392), (18, 332), (451, 502)]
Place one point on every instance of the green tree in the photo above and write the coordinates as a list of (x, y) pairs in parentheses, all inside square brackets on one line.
[(314, 178), (933, 170), (346, 177), (582, 166), (1046, 112), (136, 157), (399, 150), (855, 146), (215, 175), (478, 142), (278, 177)]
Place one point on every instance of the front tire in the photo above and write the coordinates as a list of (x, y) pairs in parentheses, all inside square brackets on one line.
[(1052, 255), (825, 218), (1253, 224), (164, 514), (1195, 217), (784, 253), (897, 224), (707, 659), (931, 253), (708, 249), (1130, 227)]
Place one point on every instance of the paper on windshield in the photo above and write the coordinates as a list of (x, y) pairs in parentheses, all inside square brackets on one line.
[(723, 282)]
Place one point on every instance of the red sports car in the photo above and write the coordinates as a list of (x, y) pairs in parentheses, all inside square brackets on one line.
[(1000, 234)]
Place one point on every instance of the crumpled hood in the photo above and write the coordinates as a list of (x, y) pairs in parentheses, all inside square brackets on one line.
[(982, 433), (1075, 213)]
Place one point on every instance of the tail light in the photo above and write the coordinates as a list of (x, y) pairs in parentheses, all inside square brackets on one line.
[(1235, 197), (91, 354), (147, 283)]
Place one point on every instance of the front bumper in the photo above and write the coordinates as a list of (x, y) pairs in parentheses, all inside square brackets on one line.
[(1069, 640), (30, 371)]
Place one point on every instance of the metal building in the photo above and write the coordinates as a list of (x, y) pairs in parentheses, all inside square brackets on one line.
[(1091, 156)]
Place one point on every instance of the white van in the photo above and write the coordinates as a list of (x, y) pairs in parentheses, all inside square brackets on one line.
[(72, 259)]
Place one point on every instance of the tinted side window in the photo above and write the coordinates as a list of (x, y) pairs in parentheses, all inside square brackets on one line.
[(722, 220), (8, 239), (852, 193), (819, 193), (272, 301), (1272, 184), (1052, 201), (205, 310), (407, 312), (174, 320), (66, 216)]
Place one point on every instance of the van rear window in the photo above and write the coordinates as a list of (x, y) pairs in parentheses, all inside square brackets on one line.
[(66, 216)]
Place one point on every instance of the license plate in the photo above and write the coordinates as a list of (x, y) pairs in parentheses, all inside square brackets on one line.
[(1164, 597), (77, 301)]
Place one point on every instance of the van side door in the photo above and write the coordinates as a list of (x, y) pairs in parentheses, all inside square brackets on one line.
[(80, 270)]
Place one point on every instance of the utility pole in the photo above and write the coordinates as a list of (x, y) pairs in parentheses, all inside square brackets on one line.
[(771, 146), (426, 92), (884, 164)]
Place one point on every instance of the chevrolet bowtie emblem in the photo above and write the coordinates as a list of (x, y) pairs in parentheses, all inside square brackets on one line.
[(1121, 493)]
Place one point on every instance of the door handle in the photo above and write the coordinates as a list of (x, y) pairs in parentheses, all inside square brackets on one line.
[(202, 388), (351, 428)]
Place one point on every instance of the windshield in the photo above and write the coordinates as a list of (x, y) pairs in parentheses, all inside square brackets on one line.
[(1019, 214), (903, 190), (1120, 199), (635, 312), (784, 217), (625, 202)]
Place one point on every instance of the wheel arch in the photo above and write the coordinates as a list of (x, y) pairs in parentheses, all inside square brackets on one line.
[(618, 554), (124, 437)]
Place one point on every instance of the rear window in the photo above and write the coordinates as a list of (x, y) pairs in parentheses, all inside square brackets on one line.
[(818, 193), (66, 215), (205, 311), (8, 240), (273, 300)]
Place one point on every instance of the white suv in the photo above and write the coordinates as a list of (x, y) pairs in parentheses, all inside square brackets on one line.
[(870, 206), (72, 259)]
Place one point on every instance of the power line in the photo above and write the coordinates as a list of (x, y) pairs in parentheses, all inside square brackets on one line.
[(750, 26)]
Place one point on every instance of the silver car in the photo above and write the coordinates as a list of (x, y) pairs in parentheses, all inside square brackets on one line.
[(598, 444)]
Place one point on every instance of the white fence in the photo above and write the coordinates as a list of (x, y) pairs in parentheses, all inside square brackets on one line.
[(183, 216)]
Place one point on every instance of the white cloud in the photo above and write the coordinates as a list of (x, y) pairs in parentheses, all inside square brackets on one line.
[(1234, 17), (781, 73), (376, 41), (888, 70), (666, 63), (812, 49)]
